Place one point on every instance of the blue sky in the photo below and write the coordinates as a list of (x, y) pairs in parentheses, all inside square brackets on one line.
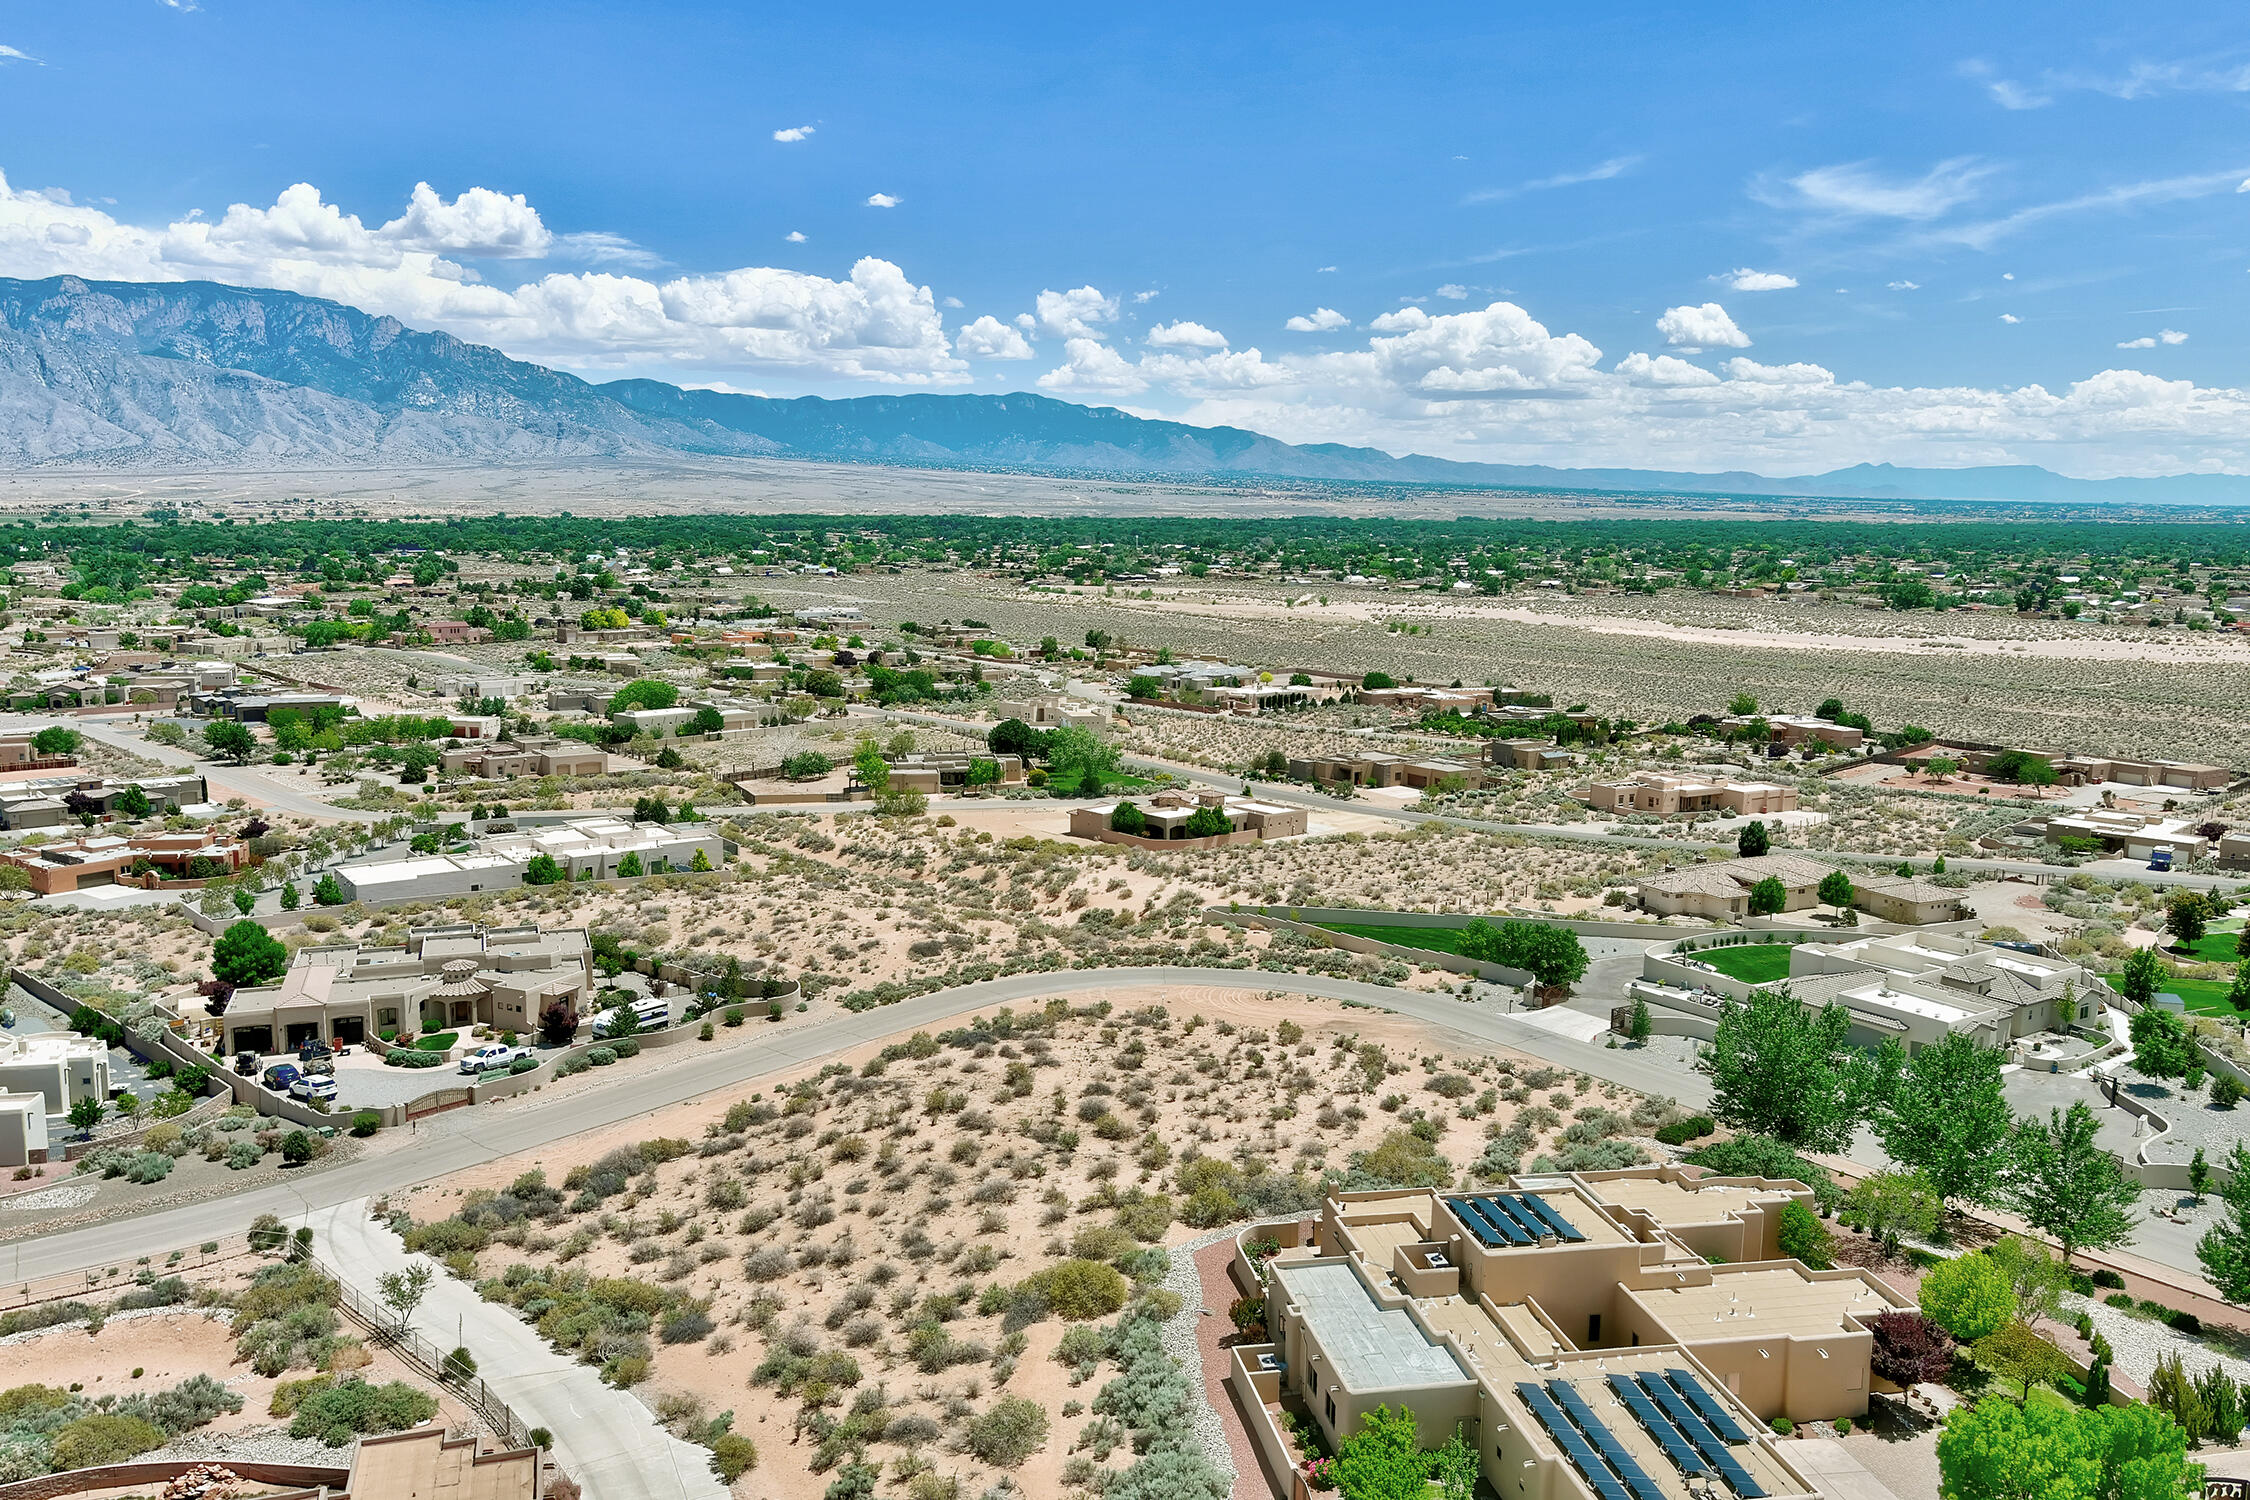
[(2014, 233)]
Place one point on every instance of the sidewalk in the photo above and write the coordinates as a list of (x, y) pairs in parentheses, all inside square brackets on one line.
[(604, 1438)]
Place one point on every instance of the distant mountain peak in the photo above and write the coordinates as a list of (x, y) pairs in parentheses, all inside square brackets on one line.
[(194, 374)]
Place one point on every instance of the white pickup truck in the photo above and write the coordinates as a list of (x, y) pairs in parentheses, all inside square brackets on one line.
[(492, 1058)]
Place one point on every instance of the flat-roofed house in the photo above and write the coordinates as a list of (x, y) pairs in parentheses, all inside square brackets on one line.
[(1572, 1327), (1721, 890), (445, 976), (1670, 796)]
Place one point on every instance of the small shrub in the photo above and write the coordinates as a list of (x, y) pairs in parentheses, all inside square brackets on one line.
[(366, 1122), (732, 1456)]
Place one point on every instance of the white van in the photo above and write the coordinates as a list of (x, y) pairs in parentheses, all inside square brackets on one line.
[(649, 1014)]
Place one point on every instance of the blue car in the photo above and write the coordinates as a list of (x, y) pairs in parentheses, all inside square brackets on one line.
[(281, 1076)]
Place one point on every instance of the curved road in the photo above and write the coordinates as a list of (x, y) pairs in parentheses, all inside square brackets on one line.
[(464, 1139)]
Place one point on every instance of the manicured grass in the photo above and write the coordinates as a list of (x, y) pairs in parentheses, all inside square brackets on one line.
[(2216, 948), (1752, 963), (2207, 996), (1067, 786), (436, 1041), (1435, 939)]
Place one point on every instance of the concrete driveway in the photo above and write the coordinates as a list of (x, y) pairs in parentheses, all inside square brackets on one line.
[(604, 1438)]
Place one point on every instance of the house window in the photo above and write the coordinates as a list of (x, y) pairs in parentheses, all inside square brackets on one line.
[(1593, 1328), (1332, 1409)]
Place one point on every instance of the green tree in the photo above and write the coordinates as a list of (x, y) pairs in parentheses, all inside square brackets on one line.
[(805, 765), (869, 768), (1384, 1459), (1206, 823), (1076, 753), (543, 869), (1376, 682), (630, 865), (1783, 1070), (1742, 706), (403, 1291), (55, 740), (1803, 1237), (2224, 1249), (824, 684), (2143, 972), (701, 864), (1127, 817), (245, 900), (1454, 1467), (1552, 955), (2014, 1352), (2061, 1182), (2002, 1450), (1892, 1204), (1968, 1296), (133, 802), (328, 891), (291, 897), (1753, 840), (2036, 1278), (1142, 685), (2238, 992), (1768, 897), (645, 692), (1836, 889), (1641, 1025), (1948, 1117), (248, 954), (707, 720), (2199, 1174), (2161, 1045), (232, 740), (86, 1112), (2187, 916)]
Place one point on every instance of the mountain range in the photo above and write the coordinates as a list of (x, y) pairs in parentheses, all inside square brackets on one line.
[(196, 375)]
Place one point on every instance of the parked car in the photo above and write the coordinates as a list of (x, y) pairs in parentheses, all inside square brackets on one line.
[(492, 1057), (314, 1086), (246, 1064), (281, 1077), (314, 1051), (2160, 859)]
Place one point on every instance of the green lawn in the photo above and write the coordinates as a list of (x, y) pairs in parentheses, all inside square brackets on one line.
[(2209, 996), (1067, 786), (436, 1041), (2217, 947), (1435, 939), (1752, 963)]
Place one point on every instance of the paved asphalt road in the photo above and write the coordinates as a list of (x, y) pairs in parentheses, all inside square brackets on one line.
[(604, 1438), (225, 781), (465, 1139)]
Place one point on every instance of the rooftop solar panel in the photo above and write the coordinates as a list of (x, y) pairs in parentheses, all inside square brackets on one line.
[(1659, 1427), (1530, 1223), (1706, 1441), (1497, 1216), (1605, 1442), (1474, 1222), (1552, 1219), (1574, 1447), (1708, 1405)]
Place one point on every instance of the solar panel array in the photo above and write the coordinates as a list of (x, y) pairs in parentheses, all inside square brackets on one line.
[(1574, 1447), (1605, 1442), (1513, 1220), (1690, 1423)]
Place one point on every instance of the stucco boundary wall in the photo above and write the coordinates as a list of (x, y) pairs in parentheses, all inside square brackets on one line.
[(309, 1479)]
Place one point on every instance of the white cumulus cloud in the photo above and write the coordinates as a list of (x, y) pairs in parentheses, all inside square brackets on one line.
[(2150, 341), (1703, 327), (795, 236), (2010, 318), (1093, 369), (1906, 286), (1319, 320), (989, 338), (1073, 314), (883, 200), (1186, 335), (790, 135), (1747, 280)]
